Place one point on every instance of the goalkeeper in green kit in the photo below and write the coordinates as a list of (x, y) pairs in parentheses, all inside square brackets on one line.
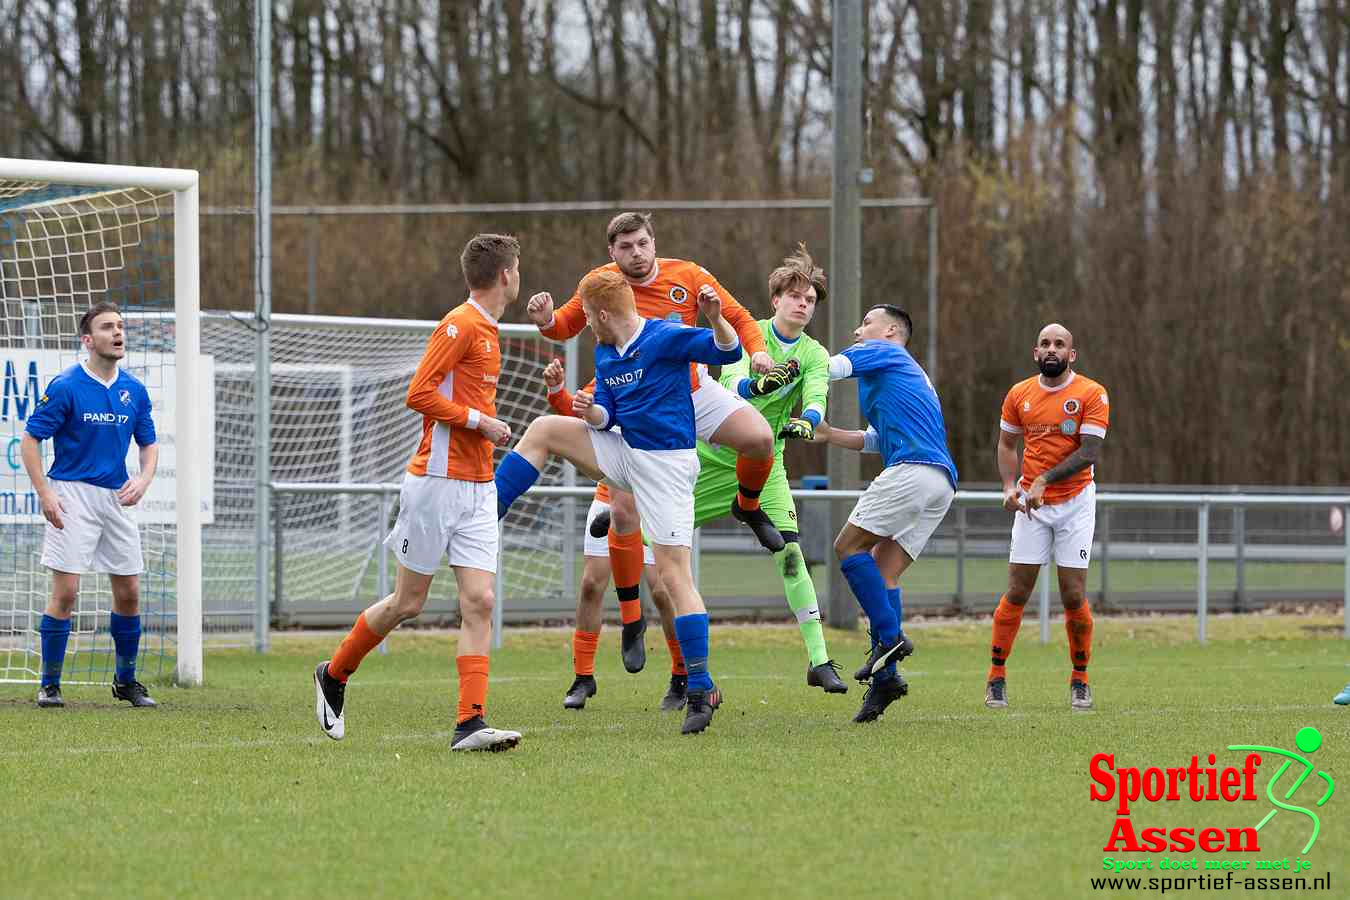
[(800, 377)]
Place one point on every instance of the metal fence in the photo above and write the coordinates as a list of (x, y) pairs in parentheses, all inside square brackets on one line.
[(954, 542)]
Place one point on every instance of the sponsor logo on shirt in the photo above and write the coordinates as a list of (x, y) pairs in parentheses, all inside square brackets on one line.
[(105, 418), (1068, 426), (623, 378), (451, 331)]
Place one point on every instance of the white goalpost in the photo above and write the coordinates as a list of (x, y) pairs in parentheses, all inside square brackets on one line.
[(72, 235)]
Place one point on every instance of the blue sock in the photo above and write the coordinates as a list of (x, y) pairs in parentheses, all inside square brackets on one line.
[(692, 632), (514, 476), (897, 604), (55, 634), (126, 635), (870, 588)]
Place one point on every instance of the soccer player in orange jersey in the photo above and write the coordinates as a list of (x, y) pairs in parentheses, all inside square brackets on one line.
[(595, 575), (1061, 417), (448, 502), (667, 289)]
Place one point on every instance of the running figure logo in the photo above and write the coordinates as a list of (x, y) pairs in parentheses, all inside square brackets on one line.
[(1308, 740)]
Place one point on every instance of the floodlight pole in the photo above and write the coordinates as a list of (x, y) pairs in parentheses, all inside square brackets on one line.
[(845, 271), (262, 279)]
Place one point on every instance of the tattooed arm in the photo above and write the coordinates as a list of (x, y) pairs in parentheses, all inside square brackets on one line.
[(1086, 455)]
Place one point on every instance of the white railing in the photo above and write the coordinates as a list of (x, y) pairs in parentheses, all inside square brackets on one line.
[(1202, 503)]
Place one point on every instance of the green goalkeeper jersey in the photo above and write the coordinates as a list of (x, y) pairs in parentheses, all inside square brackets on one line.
[(809, 391)]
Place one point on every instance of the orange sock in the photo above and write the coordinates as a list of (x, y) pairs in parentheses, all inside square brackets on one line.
[(750, 477), (676, 658), (1007, 619), (583, 651), (473, 680), (354, 647), (1078, 625), (625, 561)]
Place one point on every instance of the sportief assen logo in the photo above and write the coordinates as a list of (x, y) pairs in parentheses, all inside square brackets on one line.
[(1202, 784)]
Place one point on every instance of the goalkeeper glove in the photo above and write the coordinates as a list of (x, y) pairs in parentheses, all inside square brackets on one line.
[(780, 376), (799, 429)]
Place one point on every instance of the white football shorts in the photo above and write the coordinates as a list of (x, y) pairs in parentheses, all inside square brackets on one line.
[(445, 516), (713, 405), (662, 482), (1064, 528), (100, 534), (907, 503)]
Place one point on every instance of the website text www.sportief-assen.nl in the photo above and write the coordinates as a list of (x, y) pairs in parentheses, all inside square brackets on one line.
[(1228, 881)]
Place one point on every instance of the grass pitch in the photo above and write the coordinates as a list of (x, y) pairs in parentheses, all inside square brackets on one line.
[(231, 791)]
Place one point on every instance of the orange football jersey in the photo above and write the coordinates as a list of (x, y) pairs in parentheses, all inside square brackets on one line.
[(454, 386), (671, 292), (1052, 422)]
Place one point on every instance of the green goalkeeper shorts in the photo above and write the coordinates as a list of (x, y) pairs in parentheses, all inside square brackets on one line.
[(716, 488)]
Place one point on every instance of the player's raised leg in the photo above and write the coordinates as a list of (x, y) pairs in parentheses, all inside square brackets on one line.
[(372, 626), (746, 431), (853, 547)]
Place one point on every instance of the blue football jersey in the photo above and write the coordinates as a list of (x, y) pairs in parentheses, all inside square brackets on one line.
[(91, 425), (644, 386), (899, 403)]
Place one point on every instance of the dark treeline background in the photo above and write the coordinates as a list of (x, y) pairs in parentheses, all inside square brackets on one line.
[(1169, 179)]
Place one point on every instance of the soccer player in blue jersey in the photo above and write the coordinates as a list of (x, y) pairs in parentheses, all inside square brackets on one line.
[(637, 433), (905, 503), (91, 411)]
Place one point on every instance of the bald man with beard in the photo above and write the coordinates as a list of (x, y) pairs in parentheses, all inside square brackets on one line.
[(1061, 418)]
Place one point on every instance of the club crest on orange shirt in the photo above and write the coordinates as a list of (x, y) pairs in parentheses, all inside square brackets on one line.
[(678, 294), (1071, 407)]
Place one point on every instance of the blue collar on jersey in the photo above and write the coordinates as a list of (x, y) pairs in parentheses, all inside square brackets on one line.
[(781, 339)]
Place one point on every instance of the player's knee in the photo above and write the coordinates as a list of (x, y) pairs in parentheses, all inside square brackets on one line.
[(592, 591), (623, 519), (409, 606), (844, 548), (476, 604), (1073, 598), (759, 443), (63, 602)]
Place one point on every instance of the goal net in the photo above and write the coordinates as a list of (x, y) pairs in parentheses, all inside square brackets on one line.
[(70, 236), (338, 417)]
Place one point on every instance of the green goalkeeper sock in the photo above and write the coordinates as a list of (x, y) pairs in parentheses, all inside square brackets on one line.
[(801, 596)]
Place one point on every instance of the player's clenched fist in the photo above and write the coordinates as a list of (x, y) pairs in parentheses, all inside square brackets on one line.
[(495, 430), (709, 303), (540, 309), (553, 374), (582, 401)]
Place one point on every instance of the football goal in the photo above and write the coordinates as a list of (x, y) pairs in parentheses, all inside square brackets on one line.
[(72, 235)]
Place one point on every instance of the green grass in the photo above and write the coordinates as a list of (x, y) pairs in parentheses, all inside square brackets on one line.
[(230, 791)]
